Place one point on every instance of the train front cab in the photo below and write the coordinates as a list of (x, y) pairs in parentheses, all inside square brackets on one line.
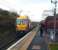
[(22, 24)]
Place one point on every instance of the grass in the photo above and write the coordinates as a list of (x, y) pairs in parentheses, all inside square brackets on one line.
[(53, 46)]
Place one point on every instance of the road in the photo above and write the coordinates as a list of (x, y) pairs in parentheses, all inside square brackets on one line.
[(38, 43)]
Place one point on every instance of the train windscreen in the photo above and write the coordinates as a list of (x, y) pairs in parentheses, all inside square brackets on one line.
[(25, 21), (18, 21)]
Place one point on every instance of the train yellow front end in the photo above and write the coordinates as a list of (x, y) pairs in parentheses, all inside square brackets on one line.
[(22, 23), (21, 27)]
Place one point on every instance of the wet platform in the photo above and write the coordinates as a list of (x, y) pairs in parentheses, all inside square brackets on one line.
[(38, 43)]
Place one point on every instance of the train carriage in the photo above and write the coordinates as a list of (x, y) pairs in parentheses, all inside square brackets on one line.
[(22, 23)]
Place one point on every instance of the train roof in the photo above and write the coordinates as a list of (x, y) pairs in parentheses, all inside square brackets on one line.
[(52, 17), (23, 17)]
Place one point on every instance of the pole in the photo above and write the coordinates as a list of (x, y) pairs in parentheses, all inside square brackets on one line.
[(55, 3)]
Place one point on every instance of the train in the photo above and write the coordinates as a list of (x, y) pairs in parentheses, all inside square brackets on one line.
[(51, 26), (23, 23)]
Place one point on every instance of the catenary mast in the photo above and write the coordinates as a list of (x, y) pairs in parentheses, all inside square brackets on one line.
[(55, 6)]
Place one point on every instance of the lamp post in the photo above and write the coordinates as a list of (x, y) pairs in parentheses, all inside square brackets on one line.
[(55, 3)]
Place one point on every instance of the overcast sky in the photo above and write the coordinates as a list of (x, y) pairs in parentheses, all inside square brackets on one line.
[(32, 8)]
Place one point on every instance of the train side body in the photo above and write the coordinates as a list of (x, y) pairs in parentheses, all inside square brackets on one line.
[(50, 21), (51, 26)]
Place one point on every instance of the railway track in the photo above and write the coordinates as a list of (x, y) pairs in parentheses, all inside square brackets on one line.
[(10, 38)]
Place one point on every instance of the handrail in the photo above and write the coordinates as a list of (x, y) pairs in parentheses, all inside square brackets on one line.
[(25, 41)]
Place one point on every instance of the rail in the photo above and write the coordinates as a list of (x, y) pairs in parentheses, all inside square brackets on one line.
[(25, 41)]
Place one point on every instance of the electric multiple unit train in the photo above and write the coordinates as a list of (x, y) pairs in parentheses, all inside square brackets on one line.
[(23, 23)]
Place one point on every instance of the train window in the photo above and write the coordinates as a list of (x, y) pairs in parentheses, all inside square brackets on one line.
[(18, 21), (25, 21)]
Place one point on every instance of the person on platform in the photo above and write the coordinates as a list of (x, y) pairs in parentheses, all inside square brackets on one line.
[(41, 29)]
